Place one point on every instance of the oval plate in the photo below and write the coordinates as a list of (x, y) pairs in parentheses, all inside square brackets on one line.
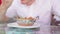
[(14, 24)]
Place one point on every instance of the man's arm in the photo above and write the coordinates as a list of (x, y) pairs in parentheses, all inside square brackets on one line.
[(3, 8), (2, 14)]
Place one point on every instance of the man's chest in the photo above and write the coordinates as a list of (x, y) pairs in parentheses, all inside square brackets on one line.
[(37, 8)]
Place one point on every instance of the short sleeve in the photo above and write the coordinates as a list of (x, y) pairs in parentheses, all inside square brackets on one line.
[(11, 11)]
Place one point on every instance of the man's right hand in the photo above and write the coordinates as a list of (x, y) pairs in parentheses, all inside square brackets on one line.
[(6, 3)]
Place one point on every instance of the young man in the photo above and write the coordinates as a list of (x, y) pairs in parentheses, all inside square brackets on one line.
[(34, 8)]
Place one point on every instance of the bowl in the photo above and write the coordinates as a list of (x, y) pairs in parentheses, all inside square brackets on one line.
[(25, 21)]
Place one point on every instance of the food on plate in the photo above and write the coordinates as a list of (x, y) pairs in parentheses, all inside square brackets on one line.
[(25, 21)]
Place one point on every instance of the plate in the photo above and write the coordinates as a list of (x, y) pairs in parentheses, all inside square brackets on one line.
[(14, 24)]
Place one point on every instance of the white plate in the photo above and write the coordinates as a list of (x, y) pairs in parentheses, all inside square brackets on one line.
[(36, 25)]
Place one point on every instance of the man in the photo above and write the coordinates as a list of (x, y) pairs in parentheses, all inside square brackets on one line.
[(34, 8)]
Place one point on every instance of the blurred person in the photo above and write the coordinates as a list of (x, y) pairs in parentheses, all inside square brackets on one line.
[(34, 8)]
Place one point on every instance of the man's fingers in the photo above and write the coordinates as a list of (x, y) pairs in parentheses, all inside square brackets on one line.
[(8, 3)]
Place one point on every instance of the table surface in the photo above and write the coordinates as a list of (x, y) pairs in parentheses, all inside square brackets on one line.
[(55, 29)]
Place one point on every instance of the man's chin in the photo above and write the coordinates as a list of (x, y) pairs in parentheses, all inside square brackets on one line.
[(23, 2)]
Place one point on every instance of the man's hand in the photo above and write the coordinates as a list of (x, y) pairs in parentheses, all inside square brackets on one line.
[(6, 3)]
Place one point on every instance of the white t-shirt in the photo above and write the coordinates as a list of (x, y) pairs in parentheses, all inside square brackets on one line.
[(41, 8)]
